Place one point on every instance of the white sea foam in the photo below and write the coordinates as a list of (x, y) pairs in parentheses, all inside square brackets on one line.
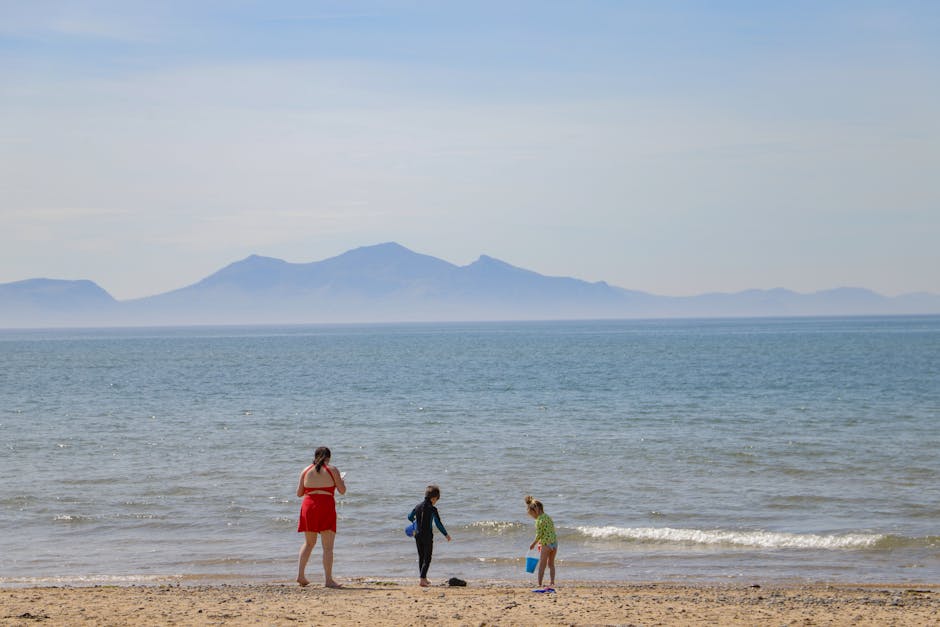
[(753, 539), (73, 518), (497, 526)]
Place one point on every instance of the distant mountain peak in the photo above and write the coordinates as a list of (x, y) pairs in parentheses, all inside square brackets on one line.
[(389, 261), (258, 259), (255, 268), (487, 266), (35, 302), (774, 291), (386, 248), (60, 286), (849, 291), (485, 261)]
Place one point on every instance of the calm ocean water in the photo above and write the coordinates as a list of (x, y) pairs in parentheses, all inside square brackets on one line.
[(733, 450)]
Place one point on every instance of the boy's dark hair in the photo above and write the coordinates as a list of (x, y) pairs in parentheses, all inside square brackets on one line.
[(432, 492)]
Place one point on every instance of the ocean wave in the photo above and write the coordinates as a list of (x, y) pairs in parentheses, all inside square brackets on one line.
[(74, 518), (749, 539), (18, 501), (497, 527), (87, 580)]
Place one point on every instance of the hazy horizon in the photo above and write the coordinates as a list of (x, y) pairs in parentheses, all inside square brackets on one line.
[(668, 148)]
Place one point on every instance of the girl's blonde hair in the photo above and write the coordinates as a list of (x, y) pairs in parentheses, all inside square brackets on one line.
[(534, 505)]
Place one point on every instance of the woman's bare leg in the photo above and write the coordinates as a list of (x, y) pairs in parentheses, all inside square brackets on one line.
[(328, 538), (310, 541)]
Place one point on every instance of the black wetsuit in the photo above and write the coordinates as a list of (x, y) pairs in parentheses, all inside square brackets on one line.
[(425, 513)]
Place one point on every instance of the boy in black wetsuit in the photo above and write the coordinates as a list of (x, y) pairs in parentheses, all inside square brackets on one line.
[(424, 513)]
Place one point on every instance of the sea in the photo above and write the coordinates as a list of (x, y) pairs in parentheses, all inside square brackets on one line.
[(743, 451)]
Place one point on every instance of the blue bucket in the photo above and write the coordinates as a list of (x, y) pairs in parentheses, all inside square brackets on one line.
[(410, 529), (531, 560)]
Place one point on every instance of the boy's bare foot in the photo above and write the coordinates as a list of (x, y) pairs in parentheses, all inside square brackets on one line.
[(332, 584), (302, 581), (424, 583)]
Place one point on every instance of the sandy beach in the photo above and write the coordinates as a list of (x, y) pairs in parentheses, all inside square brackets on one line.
[(373, 602)]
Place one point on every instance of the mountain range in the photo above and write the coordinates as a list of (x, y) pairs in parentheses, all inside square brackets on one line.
[(390, 283)]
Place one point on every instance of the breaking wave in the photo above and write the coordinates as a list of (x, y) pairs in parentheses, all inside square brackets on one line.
[(749, 539)]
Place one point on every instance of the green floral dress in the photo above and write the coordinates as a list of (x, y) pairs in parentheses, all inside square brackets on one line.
[(545, 531)]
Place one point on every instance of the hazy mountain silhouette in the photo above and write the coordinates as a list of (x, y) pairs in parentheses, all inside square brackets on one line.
[(388, 282), (52, 302)]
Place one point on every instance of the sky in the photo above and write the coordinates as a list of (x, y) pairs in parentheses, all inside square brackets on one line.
[(676, 148)]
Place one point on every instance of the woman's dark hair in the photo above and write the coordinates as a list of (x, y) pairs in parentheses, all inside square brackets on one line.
[(432, 492), (320, 457)]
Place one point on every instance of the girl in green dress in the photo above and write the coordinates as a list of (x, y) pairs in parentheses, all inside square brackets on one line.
[(544, 536)]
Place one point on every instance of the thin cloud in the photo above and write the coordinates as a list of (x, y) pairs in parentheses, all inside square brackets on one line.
[(325, 17), (38, 21), (103, 29), (61, 214)]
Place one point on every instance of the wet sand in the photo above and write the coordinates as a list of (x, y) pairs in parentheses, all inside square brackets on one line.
[(371, 602)]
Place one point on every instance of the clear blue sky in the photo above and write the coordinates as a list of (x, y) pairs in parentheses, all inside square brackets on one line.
[(670, 147)]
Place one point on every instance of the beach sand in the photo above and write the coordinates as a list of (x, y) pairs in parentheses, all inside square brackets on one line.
[(372, 602)]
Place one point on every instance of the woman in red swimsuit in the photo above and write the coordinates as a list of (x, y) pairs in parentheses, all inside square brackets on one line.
[(318, 481)]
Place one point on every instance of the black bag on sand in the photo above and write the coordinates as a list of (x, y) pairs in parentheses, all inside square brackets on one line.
[(453, 581)]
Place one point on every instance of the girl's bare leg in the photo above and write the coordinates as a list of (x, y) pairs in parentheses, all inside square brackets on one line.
[(551, 565), (310, 541), (328, 538), (543, 560)]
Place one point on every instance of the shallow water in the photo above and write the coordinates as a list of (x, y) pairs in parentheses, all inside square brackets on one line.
[(664, 450)]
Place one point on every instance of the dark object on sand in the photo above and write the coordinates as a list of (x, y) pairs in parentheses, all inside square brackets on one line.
[(453, 581)]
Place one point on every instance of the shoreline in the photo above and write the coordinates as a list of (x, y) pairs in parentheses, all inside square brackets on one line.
[(384, 602)]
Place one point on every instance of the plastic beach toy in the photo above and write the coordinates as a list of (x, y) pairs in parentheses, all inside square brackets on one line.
[(411, 529), (532, 559)]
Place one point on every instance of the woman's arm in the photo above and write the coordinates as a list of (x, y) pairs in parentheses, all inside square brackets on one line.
[(338, 479), (300, 486)]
